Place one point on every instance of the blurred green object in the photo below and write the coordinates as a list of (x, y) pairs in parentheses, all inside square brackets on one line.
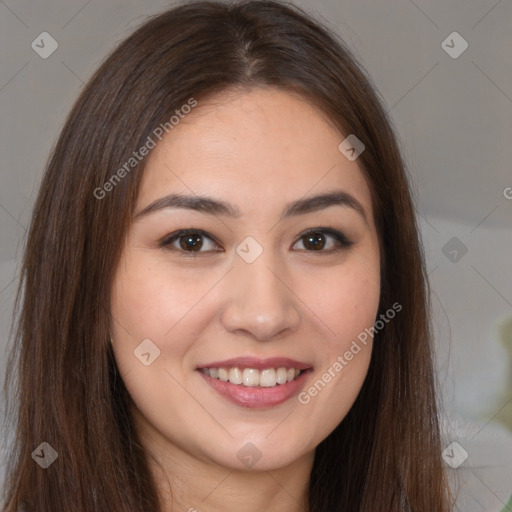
[(505, 415), (508, 506)]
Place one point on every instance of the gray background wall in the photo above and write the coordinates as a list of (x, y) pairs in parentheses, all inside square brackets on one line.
[(454, 119)]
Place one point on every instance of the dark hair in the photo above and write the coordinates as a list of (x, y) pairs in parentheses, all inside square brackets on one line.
[(386, 453)]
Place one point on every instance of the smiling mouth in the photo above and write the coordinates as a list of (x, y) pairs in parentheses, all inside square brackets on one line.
[(256, 388), (253, 377), (254, 382)]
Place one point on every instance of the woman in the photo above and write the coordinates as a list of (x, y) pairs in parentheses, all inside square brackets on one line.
[(225, 298)]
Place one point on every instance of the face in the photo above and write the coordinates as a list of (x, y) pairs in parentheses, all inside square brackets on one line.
[(249, 271)]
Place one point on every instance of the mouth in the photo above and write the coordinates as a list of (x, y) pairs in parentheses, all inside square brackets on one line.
[(251, 382)]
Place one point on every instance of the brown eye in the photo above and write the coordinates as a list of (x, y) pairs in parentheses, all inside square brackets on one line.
[(324, 238), (321, 240), (193, 242), (314, 241), (189, 241)]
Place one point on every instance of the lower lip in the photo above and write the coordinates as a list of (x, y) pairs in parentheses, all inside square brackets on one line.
[(255, 397)]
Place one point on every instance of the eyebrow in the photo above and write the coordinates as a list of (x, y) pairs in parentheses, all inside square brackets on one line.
[(211, 206)]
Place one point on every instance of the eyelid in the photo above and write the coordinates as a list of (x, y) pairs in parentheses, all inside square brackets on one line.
[(166, 241), (339, 236)]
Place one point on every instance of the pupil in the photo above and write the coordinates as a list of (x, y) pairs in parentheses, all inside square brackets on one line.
[(315, 241), (191, 242)]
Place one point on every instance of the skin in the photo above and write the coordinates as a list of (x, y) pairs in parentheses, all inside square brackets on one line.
[(258, 150)]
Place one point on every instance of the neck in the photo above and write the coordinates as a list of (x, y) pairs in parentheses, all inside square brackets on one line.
[(186, 483)]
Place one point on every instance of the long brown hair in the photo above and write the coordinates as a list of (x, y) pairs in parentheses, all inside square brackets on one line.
[(386, 454)]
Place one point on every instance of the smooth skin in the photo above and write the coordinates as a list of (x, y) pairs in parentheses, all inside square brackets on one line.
[(258, 150)]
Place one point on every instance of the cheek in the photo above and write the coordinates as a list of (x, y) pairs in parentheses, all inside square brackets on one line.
[(346, 301), (153, 302), (148, 302), (150, 297), (165, 304)]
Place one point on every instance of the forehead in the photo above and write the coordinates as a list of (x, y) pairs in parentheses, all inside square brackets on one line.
[(265, 146)]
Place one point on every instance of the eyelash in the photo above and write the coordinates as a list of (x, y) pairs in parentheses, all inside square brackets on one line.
[(340, 238)]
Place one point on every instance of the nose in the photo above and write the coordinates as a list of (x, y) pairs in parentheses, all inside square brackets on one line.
[(260, 303)]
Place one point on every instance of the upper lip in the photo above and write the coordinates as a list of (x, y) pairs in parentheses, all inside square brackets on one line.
[(257, 363)]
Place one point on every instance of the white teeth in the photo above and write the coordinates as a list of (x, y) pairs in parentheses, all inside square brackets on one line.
[(268, 378), (223, 374), (235, 376), (280, 376), (251, 377)]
